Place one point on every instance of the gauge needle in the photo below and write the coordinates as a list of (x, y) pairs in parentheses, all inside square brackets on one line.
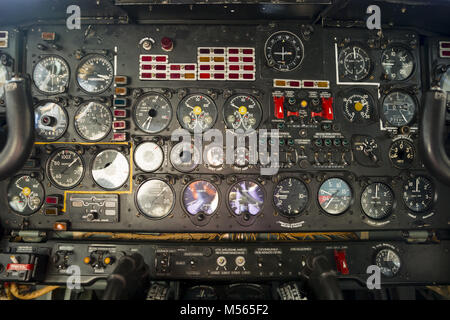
[(103, 76), (401, 113)]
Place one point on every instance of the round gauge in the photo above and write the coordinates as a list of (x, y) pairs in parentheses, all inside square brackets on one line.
[(290, 197), (355, 63), (242, 112), (418, 194), (4, 76), (25, 195), (148, 156), (51, 75), (388, 261), (246, 197), (110, 169), (377, 200), (197, 112), (155, 198), (335, 196), (444, 83), (359, 106), (241, 157), (397, 63), (185, 157), (50, 121), (65, 169), (95, 74), (93, 121), (152, 112), (214, 156), (402, 153), (399, 108), (284, 51), (200, 197), (201, 292)]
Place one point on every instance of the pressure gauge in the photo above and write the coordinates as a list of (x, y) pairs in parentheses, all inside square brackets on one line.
[(25, 195), (95, 74), (155, 198), (65, 168), (51, 75), (110, 169), (93, 121), (148, 156)]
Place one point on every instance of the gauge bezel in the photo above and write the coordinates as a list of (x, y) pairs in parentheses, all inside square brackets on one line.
[(301, 44), (140, 210), (134, 156), (143, 96), (15, 178), (227, 103), (66, 87), (92, 166), (433, 200), (358, 90), (78, 111), (416, 108), (83, 61), (181, 104), (307, 202), (394, 202), (8, 77), (261, 211), (43, 102), (52, 180), (364, 48), (350, 204), (207, 216), (404, 47)]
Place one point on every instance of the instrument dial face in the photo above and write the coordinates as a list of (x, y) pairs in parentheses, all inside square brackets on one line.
[(284, 51), (241, 157), (185, 157), (242, 112), (95, 74), (93, 121), (200, 197), (402, 154), (51, 75), (148, 156), (418, 194), (110, 169), (335, 196), (214, 156), (355, 63), (359, 106), (152, 113), (397, 63), (444, 83), (399, 108), (290, 197), (4, 76), (50, 121), (197, 112), (65, 169), (377, 200), (25, 195), (246, 197), (388, 261), (155, 199)]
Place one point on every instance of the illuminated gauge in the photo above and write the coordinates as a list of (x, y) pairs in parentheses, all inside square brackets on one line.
[(25, 195), (155, 199), (399, 108), (93, 121), (355, 63), (50, 121), (242, 112), (214, 156), (284, 51), (402, 153), (335, 196), (185, 157), (418, 194), (152, 112), (110, 169), (51, 75), (290, 197), (377, 200), (4, 76), (148, 156), (444, 83), (388, 261), (95, 74), (397, 62), (197, 112), (246, 197), (359, 106), (65, 169), (200, 197)]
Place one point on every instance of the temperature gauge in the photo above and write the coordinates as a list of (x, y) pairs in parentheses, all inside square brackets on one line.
[(242, 112), (197, 113), (25, 195), (65, 168), (93, 121), (155, 198), (359, 106), (95, 74), (152, 113), (397, 63)]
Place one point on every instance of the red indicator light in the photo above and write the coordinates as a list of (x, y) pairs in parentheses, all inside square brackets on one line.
[(204, 75), (219, 51), (233, 75), (233, 59), (204, 67), (247, 51), (204, 51), (219, 76), (161, 59), (247, 59), (119, 136), (166, 44), (119, 125), (341, 261), (219, 67), (160, 75), (146, 58), (308, 84), (446, 53), (445, 45), (233, 67), (248, 76), (294, 83), (233, 51), (189, 67), (161, 67), (120, 113), (175, 67), (146, 75), (175, 76), (248, 68), (52, 200)]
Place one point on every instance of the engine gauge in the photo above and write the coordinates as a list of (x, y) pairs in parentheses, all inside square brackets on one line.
[(418, 194), (397, 63), (402, 153), (65, 168), (214, 156), (354, 63), (50, 121), (152, 112), (185, 157), (197, 112), (399, 108), (95, 74), (290, 197), (148, 156), (51, 75), (359, 106), (25, 195), (200, 197), (93, 121), (110, 169), (155, 198), (335, 196), (242, 112), (388, 261), (377, 200), (246, 197), (284, 51), (4, 76)]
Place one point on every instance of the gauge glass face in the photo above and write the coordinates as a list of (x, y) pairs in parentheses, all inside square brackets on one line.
[(242, 112), (152, 113), (284, 51), (388, 261), (402, 153), (50, 121), (290, 197), (197, 113), (418, 194), (377, 200), (397, 63), (4, 76), (155, 199), (110, 169), (399, 108), (65, 169), (445, 81), (359, 106), (148, 156), (51, 75), (25, 195), (354, 63), (214, 156), (95, 74), (246, 197), (200, 197), (335, 196), (185, 157), (93, 121)]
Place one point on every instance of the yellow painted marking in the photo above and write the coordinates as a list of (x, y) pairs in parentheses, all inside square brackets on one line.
[(26, 191), (197, 110), (358, 106), (242, 110)]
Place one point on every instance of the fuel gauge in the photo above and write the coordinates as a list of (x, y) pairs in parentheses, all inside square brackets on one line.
[(25, 195)]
